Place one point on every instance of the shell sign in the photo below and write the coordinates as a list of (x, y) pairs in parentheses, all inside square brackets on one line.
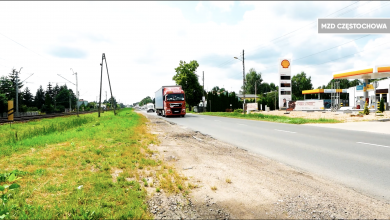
[(285, 63)]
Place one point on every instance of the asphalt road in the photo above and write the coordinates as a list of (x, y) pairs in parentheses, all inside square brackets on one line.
[(357, 159)]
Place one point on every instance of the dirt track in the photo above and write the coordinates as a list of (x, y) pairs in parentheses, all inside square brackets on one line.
[(259, 188)]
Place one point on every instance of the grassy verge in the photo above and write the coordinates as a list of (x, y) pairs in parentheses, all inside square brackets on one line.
[(84, 167), (272, 118)]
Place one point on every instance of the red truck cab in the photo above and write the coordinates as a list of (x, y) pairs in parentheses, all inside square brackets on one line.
[(170, 101)]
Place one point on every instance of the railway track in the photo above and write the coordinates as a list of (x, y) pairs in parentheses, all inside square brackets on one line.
[(33, 117)]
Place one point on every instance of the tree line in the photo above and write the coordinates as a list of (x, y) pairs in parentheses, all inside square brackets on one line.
[(49, 100), (267, 93)]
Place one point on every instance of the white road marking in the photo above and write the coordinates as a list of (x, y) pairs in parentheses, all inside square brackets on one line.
[(373, 144), (242, 124), (201, 118), (286, 131)]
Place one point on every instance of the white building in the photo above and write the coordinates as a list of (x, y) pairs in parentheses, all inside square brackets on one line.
[(356, 94)]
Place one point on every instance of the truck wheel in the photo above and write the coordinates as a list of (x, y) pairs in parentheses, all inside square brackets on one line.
[(183, 116)]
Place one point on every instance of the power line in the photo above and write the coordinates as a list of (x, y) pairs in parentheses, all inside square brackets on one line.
[(22, 45), (311, 23), (348, 55), (262, 46), (330, 48)]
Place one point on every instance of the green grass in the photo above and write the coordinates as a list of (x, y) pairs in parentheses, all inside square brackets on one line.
[(271, 118), (68, 166)]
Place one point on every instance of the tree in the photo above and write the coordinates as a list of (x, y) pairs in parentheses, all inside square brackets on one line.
[(112, 101), (49, 90), (27, 97), (56, 90), (264, 88), (5, 93), (188, 79), (62, 98), (272, 99), (272, 87), (299, 83), (145, 101), (7, 88), (12, 79), (3, 103), (48, 107), (354, 83), (215, 89), (252, 78), (39, 99)]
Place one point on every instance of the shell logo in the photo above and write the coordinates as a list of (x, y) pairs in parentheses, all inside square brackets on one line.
[(285, 63)]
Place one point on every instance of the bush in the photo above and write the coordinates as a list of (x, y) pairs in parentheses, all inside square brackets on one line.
[(60, 108), (366, 111), (238, 110), (382, 105), (32, 109)]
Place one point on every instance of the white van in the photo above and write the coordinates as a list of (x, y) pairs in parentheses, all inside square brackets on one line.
[(150, 107)]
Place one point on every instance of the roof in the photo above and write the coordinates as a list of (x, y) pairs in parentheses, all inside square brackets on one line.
[(317, 91), (377, 72)]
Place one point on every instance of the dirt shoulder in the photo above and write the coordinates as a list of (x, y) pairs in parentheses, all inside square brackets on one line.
[(343, 117), (258, 187)]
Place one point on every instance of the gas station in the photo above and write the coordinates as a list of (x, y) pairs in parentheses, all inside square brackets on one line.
[(376, 72), (358, 95)]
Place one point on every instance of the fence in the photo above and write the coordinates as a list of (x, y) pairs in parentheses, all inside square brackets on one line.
[(5, 115)]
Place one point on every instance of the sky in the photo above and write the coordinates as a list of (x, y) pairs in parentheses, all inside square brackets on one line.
[(145, 41)]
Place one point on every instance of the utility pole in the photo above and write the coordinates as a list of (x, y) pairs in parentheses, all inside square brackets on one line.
[(101, 78), (109, 83), (70, 106), (243, 75), (203, 92), (255, 91), (106, 97), (17, 91), (77, 92)]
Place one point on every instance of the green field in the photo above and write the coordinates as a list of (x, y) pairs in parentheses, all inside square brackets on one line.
[(86, 167), (271, 118)]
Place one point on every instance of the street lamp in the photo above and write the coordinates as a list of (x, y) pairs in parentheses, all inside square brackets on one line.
[(77, 92), (243, 76)]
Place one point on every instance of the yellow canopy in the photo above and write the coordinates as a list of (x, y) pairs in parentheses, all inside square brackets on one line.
[(370, 73), (317, 91)]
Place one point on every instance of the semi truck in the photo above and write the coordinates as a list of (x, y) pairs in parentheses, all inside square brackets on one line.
[(170, 101)]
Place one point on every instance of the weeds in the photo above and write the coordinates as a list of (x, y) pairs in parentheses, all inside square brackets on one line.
[(228, 180), (214, 188), (68, 172)]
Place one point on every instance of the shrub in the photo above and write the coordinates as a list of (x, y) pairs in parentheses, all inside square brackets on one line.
[(238, 110), (366, 111), (32, 109), (382, 105)]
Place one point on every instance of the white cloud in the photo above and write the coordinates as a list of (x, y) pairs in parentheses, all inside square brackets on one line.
[(144, 42), (199, 6), (223, 5)]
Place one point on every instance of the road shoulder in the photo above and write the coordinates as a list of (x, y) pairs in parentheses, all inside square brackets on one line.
[(247, 185)]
